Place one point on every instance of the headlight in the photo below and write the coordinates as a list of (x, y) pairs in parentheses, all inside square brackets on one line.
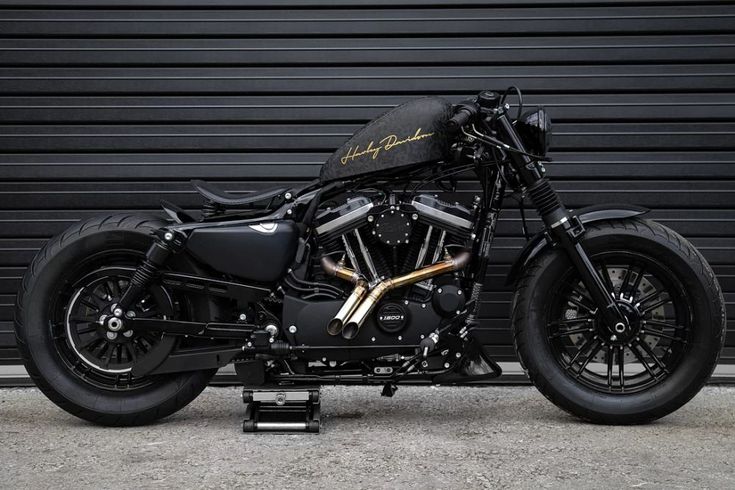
[(534, 127)]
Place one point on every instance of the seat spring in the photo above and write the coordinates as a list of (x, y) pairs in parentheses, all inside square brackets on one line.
[(210, 209)]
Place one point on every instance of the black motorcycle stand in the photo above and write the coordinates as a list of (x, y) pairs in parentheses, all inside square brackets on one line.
[(281, 409)]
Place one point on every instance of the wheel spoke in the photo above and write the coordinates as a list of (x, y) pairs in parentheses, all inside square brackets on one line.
[(84, 318), (131, 352), (649, 297), (585, 346), (656, 305), (581, 304), (621, 369), (114, 286), (662, 335), (653, 356), (567, 333), (89, 343), (637, 281), (93, 328), (142, 346), (108, 290), (628, 288), (642, 361), (610, 366), (626, 278), (658, 323), (570, 321), (585, 297), (90, 305), (592, 354)]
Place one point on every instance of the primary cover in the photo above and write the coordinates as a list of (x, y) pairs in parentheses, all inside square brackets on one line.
[(410, 134)]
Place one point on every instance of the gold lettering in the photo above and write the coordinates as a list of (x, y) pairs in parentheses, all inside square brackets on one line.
[(387, 144)]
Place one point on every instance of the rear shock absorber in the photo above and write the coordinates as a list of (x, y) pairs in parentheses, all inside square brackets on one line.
[(167, 243)]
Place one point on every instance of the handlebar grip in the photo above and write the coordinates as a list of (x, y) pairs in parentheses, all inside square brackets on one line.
[(464, 114)]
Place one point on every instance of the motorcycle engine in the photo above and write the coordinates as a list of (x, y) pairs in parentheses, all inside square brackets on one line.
[(381, 237)]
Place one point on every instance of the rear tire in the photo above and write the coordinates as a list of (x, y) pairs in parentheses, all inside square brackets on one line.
[(54, 269), (549, 328)]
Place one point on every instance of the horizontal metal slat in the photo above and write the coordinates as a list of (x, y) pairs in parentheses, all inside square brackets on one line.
[(442, 79), (357, 51), (69, 138), (353, 108), (354, 22), (683, 165)]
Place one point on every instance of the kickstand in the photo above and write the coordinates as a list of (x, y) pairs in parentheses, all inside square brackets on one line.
[(389, 389)]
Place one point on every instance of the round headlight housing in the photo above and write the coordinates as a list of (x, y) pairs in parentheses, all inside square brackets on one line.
[(534, 127)]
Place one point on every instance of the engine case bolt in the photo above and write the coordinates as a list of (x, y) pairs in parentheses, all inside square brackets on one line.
[(168, 236), (414, 216), (242, 317), (371, 219), (292, 329)]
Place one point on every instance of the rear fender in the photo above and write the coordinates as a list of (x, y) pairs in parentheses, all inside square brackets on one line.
[(590, 214)]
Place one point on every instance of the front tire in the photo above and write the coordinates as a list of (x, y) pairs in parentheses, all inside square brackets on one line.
[(672, 299), (64, 291)]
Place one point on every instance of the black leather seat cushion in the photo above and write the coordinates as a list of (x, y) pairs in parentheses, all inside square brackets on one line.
[(215, 194)]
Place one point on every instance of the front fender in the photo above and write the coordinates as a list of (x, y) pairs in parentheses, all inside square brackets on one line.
[(590, 214)]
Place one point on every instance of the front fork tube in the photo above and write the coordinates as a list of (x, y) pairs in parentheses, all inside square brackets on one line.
[(563, 229)]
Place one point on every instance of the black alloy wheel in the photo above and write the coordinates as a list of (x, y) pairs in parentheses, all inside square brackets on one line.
[(98, 345), (621, 360)]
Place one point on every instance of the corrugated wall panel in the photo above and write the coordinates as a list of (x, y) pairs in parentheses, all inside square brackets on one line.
[(108, 106)]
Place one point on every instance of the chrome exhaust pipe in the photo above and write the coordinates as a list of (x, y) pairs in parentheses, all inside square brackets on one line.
[(449, 264), (334, 327), (338, 269)]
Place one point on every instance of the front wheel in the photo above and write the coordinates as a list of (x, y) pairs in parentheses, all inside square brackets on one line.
[(674, 306)]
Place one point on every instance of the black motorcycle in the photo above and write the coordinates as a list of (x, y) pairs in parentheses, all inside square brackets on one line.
[(365, 276)]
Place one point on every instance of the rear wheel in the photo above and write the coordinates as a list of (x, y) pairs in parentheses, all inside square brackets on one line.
[(76, 350), (674, 307)]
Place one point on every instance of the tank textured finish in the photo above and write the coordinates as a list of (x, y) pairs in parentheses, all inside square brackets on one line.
[(410, 134)]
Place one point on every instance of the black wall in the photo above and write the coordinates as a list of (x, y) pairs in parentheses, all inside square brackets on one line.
[(108, 106)]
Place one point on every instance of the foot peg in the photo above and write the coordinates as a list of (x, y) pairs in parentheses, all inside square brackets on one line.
[(281, 409)]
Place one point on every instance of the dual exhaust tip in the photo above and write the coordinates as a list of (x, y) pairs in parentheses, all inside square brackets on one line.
[(361, 302)]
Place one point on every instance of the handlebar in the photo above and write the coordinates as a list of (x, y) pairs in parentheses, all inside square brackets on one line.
[(465, 112)]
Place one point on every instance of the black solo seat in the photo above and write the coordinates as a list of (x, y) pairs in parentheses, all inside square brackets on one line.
[(225, 199)]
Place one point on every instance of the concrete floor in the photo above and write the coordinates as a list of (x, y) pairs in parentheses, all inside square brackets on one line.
[(423, 437)]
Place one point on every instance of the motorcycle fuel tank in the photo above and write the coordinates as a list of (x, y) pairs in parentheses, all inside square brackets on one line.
[(410, 134)]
